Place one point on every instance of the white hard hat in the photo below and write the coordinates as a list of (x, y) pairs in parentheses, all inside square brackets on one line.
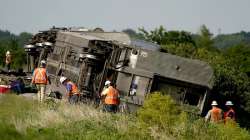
[(47, 43), (43, 62), (8, 52), (229, 103), (107, 83), (62, 79), (29, 46), (214, 103)]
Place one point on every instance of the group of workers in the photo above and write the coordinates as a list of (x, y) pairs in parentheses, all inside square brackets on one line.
[(40, 79), (216, 115), (111, 95)]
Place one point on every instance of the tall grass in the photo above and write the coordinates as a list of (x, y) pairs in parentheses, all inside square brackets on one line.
[(21, 118), (160, 118)]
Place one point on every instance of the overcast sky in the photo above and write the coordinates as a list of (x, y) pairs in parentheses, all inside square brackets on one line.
[(32, 15)]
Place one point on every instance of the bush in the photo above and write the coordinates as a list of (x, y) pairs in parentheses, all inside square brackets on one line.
[(159, 110), (162, 118)]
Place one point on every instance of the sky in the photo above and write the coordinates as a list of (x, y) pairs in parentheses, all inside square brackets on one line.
[(220, 16)]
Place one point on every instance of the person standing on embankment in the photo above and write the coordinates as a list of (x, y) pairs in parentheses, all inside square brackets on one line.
[(40, 79), (8, 60), (215, 115)]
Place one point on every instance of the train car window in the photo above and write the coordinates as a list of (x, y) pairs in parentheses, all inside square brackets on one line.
[(139, 86), (193, 96), (123, 83)]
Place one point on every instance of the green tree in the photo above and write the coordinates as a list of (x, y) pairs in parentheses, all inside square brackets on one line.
[(204, 38), (175, 42), (158, 35), (240, 56), (24, 38)]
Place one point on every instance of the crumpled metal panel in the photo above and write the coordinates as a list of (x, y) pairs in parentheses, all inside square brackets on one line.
[(175, 67)]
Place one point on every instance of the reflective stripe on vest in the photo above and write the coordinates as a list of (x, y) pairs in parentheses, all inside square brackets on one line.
[(112, 96), (74, 88), (229, 115), (40, 76), (216, 115)]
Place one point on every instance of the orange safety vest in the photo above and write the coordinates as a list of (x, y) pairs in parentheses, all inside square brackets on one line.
[(74, 89), (229, 115), (8, 59), (216, 114), (112, 96), (40, 76)]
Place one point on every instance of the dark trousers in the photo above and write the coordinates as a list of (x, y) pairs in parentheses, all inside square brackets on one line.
[(7, 67), (110, 108), (73, 99)]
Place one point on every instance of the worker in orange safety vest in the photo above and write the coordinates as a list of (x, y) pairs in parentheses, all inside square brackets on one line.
[(8, 60), (229, 115), (72, 90), (214, 115), (40, 79), (111, 94)]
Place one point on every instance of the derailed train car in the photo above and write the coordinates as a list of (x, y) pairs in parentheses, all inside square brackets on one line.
[(89, 58)]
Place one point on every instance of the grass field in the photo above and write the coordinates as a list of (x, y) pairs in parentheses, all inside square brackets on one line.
[(160, 118)]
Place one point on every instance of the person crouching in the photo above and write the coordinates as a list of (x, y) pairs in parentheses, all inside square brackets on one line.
[(72, 90)]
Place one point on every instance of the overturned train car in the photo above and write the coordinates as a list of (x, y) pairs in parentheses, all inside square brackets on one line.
[(136, 67)]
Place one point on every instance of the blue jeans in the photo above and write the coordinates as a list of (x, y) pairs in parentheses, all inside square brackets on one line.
[(73, 99), (110, 108)]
